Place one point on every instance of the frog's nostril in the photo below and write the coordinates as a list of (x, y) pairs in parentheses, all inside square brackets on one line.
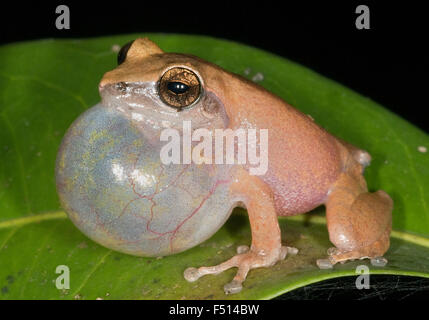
[(102, 85), (121, 86)]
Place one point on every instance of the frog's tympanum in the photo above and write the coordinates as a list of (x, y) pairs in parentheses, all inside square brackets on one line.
[(115, 188)]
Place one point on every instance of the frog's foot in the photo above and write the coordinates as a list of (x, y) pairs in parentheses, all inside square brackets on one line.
[(245, 260), (342, 257), (374, 252), (335, 255)]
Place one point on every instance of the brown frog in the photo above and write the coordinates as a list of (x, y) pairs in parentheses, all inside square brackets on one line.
[(307, 167)]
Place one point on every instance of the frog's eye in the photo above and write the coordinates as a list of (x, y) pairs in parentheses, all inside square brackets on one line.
[(122, 54), (179, 87)]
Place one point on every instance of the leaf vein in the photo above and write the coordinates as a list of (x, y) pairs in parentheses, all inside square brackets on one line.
[(88, 276)]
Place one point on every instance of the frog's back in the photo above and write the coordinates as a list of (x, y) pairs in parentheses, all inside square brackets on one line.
[(304, 160)]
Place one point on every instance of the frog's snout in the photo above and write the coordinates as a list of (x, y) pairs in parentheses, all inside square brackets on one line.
[(100, 87), (103, 84), (114, 89), (119, 86)]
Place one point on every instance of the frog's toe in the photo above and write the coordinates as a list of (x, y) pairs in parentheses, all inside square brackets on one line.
[(332, 251), (242, 249), (292, 250), (191, 274), (324, 264), (287, 250), (232, 287), (328, 263), (379, 261)]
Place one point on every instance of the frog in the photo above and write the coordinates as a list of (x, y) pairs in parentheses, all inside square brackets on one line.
[(115, 189)]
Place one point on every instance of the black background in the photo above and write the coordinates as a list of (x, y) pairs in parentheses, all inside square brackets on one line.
[(388, 63)]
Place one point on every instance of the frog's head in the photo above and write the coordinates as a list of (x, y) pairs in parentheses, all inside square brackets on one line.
[(161, 89)]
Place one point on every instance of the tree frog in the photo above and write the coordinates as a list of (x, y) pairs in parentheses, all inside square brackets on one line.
[(115, 188)]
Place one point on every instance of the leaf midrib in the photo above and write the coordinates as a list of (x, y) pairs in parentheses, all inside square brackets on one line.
[(32, 219)]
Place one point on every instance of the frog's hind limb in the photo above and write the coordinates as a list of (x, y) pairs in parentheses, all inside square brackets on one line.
[(359, 222), (266, 248)]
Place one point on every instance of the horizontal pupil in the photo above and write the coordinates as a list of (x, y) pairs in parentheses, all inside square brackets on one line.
[(177, 87)]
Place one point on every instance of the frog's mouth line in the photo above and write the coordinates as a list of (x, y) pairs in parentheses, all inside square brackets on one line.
[(140, 102)]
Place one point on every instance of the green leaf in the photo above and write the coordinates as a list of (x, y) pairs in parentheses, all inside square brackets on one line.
[(45, 85)]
